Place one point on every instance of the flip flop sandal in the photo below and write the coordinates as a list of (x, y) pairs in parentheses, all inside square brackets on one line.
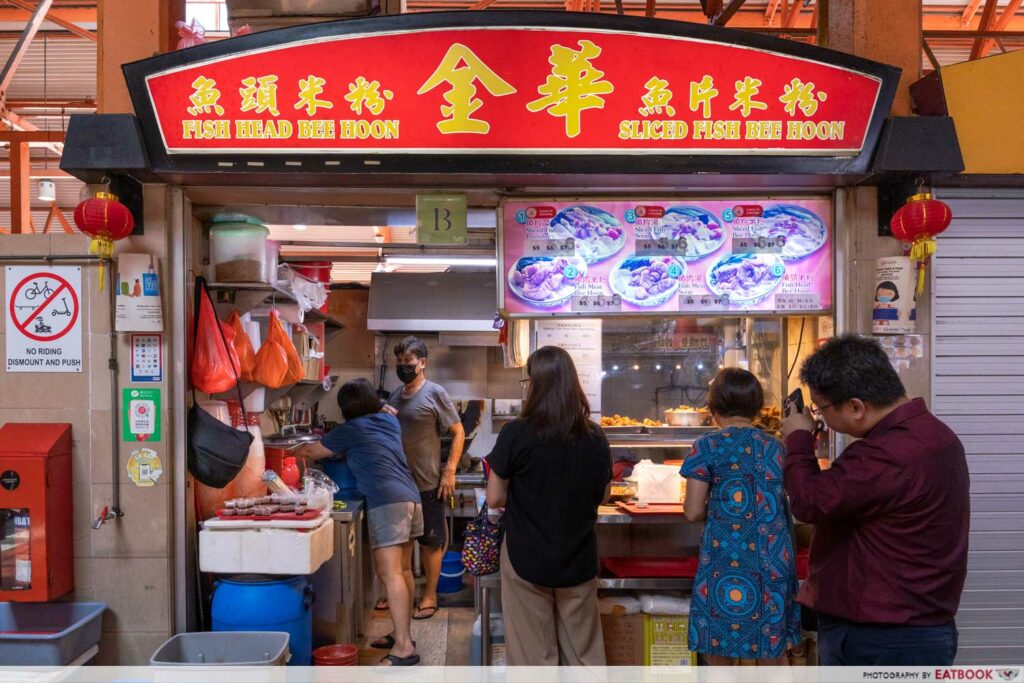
[(388, 642), (411, 660), (381, 605), (433, 610)]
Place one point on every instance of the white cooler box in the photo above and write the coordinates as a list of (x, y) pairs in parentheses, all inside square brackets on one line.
[(266, 550)]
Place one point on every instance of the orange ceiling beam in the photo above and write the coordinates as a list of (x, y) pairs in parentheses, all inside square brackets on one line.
[(1009, 12), (969, 12), (988, 16), (75, 15)]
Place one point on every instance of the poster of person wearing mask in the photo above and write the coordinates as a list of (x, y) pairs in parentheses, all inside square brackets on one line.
[(895, 307)]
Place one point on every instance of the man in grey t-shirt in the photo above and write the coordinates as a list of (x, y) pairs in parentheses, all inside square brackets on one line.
[(425, 412)]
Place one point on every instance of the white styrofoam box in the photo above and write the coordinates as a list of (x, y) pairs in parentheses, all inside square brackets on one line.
[(265, 551)]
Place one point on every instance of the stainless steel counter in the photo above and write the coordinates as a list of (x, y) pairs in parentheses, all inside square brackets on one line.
[(338, 584)]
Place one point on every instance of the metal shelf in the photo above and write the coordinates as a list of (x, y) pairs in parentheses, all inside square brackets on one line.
[(650, 444), (250, 295)]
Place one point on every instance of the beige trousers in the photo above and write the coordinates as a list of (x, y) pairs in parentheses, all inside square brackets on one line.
[(549, 626)]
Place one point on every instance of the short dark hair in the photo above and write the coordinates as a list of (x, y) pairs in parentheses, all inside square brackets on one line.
[(888, 284), (735, 392), (413, 345), (852, 366), (357, 398)]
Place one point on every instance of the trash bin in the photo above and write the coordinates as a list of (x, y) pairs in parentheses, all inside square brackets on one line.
[(223, 648), (48, 634)]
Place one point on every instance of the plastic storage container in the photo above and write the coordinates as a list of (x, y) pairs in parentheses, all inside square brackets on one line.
[(260, 605), (497, 642), (48, 633), (238, 249), (341, 474), (452, 571), (224, 648)]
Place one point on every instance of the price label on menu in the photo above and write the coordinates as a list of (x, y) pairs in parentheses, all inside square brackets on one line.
[(605, 303), (702, 302), (797, 302), (758, 245), (661, 247), (566, 247)]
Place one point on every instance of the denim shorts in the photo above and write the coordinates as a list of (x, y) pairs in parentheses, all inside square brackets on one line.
[(394, 524)]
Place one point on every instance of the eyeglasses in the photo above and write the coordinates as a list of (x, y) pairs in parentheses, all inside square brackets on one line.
[(524, 382)]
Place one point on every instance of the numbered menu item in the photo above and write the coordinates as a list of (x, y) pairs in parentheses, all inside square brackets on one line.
[(598, 234), (612, 257)]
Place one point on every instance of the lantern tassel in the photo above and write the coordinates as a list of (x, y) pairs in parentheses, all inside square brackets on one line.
[(104, 248), (921, 251)]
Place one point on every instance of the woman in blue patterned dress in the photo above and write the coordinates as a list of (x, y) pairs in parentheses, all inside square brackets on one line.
[(744, 593)]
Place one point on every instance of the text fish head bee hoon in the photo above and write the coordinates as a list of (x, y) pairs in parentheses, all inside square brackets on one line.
[(598, 234), (746, 279), (701, 229), (647, 281), (546, 280), (804, 231)]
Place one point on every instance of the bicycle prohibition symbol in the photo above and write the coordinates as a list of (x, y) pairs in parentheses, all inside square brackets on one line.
[(44, 307)]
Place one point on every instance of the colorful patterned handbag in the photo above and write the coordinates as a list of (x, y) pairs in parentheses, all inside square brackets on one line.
[(481, 547)]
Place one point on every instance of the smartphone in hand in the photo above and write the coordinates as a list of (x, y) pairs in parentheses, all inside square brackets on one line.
[(794, 402)]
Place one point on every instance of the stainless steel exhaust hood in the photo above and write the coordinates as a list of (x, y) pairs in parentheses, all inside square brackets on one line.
[(433, 302)]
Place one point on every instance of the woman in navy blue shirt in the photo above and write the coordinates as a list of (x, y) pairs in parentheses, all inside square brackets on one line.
[(371, 441)]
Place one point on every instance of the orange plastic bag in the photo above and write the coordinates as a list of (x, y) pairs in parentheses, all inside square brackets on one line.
[(215, 366), (243, 348), (272, 364), (296, 368)]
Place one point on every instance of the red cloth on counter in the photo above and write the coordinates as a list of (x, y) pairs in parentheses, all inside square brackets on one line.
[(892, 517)]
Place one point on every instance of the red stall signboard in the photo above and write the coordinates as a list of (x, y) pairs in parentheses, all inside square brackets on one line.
[(512, 90)]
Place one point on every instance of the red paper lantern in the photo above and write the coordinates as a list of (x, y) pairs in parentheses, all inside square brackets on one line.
[(917, 223), (106, 220)]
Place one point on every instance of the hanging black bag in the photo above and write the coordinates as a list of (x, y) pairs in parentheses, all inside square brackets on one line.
[(216, 451)]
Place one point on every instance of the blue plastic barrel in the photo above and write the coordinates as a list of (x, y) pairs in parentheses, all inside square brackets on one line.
[(268, 605), (451, 573), (341, 474)]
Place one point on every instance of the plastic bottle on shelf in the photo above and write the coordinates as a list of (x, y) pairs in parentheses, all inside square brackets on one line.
[(290, 472)]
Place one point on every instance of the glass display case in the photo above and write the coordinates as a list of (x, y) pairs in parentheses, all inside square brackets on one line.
[(656, 373)]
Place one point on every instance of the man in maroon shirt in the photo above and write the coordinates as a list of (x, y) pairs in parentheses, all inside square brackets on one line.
[(889, 554)]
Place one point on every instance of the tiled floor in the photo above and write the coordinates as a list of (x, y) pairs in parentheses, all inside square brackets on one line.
[(442, 640)]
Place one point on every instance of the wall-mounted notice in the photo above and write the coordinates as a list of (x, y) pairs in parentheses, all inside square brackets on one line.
[(138, 294), (140, 412), (582, 339), (44, 319), (594, 257)]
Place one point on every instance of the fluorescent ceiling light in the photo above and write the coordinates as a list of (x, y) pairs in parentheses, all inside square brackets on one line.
[(441, 261), (300, 228)]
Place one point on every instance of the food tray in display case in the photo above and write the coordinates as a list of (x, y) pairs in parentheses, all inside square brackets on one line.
[(605, 257)]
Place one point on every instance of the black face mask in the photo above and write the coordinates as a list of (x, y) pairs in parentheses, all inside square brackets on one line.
[(406, 373)]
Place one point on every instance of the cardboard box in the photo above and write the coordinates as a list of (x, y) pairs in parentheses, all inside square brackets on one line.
[(666, 641), (623, 639)]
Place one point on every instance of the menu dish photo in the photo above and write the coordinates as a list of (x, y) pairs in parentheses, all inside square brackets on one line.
[(546, 280), (746, 279), (701, 229), (803, 230), (647, 281), (598, 234)]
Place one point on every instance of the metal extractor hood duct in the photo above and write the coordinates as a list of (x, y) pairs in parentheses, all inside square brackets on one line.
[(433, 302)]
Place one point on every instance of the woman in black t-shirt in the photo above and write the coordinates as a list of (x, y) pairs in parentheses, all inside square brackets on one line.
[(550, 470)]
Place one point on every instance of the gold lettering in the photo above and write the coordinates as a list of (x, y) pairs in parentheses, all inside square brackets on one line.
[(316, 129), (763, 130)]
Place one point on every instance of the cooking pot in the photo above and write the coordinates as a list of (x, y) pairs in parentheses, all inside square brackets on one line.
[(689, 418)]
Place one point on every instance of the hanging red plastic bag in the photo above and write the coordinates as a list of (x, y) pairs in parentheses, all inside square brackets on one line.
[(272, 368), (215, 365), (243, 348)]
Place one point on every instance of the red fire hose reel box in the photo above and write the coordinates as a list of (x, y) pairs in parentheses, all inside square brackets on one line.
[(36, 529)]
